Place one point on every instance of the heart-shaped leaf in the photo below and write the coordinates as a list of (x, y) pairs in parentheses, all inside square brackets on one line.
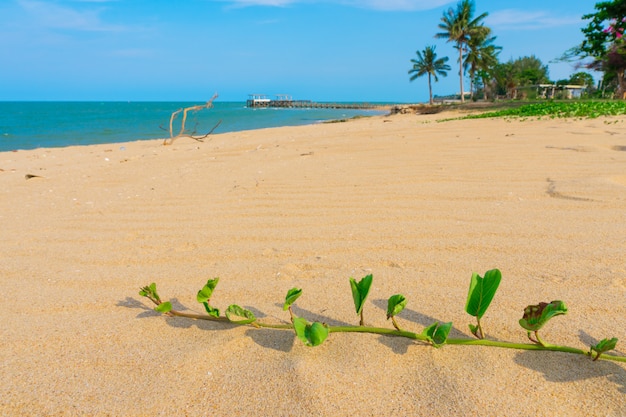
[(291, 297), (535, 316), (395, 305), (603, 345), (165, 307), (204, 295), (437, 333), (360, 291), (481, 292), (311, 334), (235, 311)]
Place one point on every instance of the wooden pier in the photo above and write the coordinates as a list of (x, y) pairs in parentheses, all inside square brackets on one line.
[(285, 101)]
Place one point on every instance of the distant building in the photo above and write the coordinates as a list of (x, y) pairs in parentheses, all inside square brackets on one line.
[(548, 91)]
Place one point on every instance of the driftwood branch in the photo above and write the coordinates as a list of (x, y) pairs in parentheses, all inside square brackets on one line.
[(185, 111)]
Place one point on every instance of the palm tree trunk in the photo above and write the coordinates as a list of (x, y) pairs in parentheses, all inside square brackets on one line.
[(430, 91), (461, 71)]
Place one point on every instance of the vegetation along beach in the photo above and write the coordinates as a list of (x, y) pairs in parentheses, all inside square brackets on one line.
[(459, 256)]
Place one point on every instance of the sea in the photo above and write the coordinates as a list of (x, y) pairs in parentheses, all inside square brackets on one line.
[(31, 125)]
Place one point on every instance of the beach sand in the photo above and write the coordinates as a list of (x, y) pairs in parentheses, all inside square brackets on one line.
[(418, 204)]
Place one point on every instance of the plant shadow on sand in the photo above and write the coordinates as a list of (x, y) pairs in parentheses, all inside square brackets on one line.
[(562, 367), (551, 364)]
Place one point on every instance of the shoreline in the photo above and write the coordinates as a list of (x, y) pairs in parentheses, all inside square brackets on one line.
[(418, 204)]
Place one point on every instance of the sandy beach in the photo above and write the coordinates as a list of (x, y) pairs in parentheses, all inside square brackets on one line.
[(417, 203)]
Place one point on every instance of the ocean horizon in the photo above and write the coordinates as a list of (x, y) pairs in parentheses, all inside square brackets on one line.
[(51, 124)]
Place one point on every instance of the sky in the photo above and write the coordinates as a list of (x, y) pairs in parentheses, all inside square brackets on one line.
[(321, 50)]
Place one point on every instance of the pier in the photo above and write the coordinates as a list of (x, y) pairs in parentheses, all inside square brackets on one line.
[(287, 102)]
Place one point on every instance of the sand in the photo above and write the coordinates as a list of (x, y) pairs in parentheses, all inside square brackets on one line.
[(418, 204)]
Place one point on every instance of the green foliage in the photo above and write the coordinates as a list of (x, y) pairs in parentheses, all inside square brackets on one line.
[(165, 307), (603, 29), (235, 311), (395, 305), (150, 292), (603, 346), (479, 297), (460, 27), (428, 63), (481, 292), (310, 334), (204, 297), (437, 334), (559, 109), (536, 316), (207, 291), (291, 297), (360, 291)]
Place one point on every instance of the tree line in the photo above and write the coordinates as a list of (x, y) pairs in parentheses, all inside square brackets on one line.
[(603, 49)]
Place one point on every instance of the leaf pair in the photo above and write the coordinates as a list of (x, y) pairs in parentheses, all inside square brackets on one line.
[(312, 334), (479, 297), (360, 291), (603, 346), (395, 305), (437, 334)]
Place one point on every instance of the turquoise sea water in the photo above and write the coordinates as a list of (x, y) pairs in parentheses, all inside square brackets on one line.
[(30, 125)]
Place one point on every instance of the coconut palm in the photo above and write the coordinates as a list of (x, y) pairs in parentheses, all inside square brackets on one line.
[(459, 26), (481, 55), (428, 63)]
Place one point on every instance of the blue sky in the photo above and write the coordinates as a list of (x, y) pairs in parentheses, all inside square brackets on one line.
[(323, 50)]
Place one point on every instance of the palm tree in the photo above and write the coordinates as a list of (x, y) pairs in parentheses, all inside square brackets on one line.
[(481, 56), (427, 63), (460, 26)]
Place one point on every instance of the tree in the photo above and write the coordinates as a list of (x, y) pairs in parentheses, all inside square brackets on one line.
[(605, 41), (428, 63), (581, 78), (523, 71), (505, 79), (460, 26), (481, 56), (530, 71)]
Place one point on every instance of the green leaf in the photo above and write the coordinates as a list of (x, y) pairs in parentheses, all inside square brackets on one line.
[(165, 307), (474, 329), (204, 295), (212, 311), (360, 291), (603, 345), (235, 310), (395, 305), (150, 292), (536, 316), (311, 334), (437, 334), (481, 292), (291, 297)]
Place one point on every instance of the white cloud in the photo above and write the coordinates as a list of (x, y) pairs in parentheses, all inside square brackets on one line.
[(512, 19), (56, 16)]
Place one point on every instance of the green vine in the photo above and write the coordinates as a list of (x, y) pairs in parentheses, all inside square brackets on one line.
[(479, 297)]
